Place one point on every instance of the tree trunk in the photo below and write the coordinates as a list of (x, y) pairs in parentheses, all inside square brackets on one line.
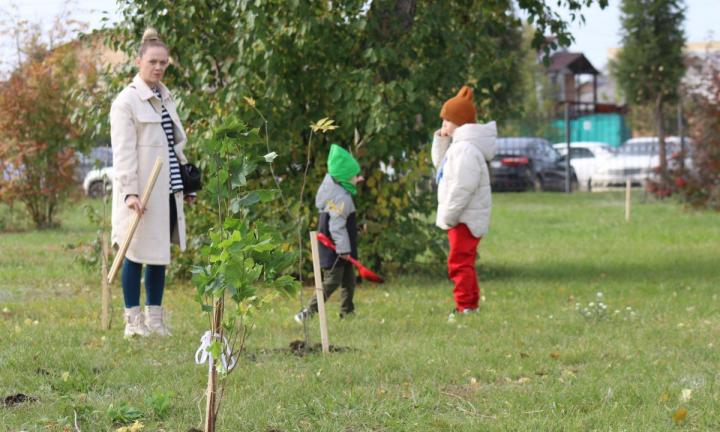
[(661, 140), (210, 411), (391, 19), (211, 392)]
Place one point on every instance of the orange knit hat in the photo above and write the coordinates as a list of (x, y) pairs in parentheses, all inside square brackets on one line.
[(460, 109)]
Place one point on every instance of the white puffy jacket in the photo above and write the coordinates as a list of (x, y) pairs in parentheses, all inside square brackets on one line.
[(463, 177)]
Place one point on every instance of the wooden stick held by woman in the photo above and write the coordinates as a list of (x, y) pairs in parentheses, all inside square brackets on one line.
[(136, 220)]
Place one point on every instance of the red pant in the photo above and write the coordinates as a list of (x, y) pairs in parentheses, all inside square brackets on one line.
[(461, 266)]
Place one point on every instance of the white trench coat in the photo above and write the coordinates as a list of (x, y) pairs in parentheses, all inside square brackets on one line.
[(137, 140)]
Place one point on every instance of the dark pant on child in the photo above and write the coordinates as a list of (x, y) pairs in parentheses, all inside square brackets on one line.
[(341, 275), (461, 266)]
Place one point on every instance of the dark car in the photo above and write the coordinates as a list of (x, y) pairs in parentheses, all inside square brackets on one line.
[(529, 164)]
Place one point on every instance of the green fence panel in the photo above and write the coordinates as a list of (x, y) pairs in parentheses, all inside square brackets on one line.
[(608, 128)]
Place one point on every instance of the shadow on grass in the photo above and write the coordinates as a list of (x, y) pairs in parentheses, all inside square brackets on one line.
[(680, 269)]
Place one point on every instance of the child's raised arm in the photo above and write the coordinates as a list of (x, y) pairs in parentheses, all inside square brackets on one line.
[(439, 148)]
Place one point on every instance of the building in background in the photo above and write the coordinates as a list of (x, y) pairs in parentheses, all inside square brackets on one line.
[(583, 91)]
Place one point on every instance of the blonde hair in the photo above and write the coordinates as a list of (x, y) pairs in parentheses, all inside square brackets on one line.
[(150, 39)]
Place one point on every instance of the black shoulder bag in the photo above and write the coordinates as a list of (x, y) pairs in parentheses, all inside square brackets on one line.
[(191, 178)]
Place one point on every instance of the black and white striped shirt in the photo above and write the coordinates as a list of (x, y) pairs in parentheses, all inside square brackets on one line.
[(167, 125)]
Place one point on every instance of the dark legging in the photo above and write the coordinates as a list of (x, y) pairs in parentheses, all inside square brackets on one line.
[(154, 274)]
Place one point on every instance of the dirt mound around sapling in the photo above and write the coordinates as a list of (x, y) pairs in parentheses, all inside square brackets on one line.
[(299, 348), (17, 399)]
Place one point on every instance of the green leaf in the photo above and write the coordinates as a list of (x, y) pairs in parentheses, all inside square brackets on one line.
[(249, 200), (215, 349)]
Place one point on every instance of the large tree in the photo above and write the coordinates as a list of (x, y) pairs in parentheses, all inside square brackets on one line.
[(650, 65), (381, 69)]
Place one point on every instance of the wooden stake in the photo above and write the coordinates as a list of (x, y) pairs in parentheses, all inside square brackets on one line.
[(136, 220), (105, 315), (627, 199), (319, 292)]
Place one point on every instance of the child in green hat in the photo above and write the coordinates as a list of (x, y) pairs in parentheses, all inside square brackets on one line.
[(337, 221)]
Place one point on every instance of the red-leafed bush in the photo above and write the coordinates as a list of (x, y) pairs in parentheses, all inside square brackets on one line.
[(36, 156), (699, 185)]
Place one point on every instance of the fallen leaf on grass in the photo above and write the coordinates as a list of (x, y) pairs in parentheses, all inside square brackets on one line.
[(568, 372), (135, 427), (524, 355), (554, 355), (523, 380), (685, 395), (664, 397), (680, 415)]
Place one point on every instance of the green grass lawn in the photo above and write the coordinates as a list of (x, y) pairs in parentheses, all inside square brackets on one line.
[(528, 361)]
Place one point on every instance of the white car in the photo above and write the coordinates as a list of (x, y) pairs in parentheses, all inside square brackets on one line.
[(98, 182), (587, 158), (638, 159)]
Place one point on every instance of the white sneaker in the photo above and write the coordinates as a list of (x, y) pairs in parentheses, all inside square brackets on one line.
[(455, 312), (154, 321), (302, 316), (134, 323)]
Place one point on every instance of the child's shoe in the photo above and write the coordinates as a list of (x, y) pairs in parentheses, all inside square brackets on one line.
[(344, 315), (465, 311), (302, 316)]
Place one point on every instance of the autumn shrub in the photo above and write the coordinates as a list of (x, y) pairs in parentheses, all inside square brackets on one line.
[(37, 155), (699, 186)]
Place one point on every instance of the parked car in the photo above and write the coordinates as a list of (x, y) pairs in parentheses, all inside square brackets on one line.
[(638, 159), (529, 163), (98, 157), (98, 182), (586, 157)]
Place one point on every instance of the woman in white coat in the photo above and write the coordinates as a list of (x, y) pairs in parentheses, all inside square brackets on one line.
[(144, 125)]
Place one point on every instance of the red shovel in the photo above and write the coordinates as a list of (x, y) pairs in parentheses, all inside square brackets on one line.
[(365, 272)]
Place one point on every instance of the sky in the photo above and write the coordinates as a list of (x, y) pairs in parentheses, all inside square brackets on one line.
[(43, 12), (602, 28), (600, 31)]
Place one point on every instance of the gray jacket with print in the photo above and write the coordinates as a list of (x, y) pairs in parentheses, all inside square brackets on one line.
[(337, 220)]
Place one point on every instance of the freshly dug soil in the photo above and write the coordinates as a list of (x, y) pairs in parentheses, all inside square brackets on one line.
[(298, 348), (17, 399)]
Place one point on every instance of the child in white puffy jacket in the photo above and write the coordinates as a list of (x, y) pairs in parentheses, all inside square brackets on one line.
[(461, 152)]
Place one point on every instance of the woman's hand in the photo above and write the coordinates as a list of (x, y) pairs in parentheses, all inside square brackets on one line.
[(134, 204)]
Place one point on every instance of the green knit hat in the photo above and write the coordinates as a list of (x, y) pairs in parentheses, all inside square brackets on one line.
[(342, 166)]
